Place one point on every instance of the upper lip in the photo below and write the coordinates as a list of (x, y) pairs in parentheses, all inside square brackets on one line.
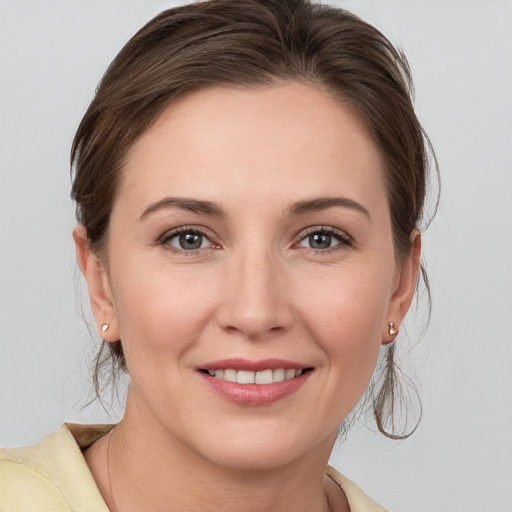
[(255, 366)]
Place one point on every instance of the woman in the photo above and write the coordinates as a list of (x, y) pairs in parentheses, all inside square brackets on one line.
[(249, 181)]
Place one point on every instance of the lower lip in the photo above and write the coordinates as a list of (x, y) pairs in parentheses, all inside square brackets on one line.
[(255, 394)]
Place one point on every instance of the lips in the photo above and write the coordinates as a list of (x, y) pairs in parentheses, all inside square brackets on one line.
[(255, 382)]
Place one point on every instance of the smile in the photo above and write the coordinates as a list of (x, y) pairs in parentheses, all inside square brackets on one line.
[(260, 377), (255, 383)]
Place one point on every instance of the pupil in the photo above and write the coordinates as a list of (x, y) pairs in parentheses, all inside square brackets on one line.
[(190, 241), (320, 241)]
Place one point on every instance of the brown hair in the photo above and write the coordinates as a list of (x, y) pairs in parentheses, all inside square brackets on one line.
[(244, 43)]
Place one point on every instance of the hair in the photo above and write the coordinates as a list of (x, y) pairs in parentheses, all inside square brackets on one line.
[(251, 43)]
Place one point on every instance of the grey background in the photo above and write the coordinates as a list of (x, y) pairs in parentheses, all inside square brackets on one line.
[(52, 55)]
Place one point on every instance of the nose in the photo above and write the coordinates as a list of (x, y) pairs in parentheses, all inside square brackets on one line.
[(255, 298)]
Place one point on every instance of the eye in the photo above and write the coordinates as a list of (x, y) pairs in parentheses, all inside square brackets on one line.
[(187, 240), (323, 239)]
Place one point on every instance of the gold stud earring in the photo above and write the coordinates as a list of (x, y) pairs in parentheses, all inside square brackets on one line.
[(105, 327), (392, 330)]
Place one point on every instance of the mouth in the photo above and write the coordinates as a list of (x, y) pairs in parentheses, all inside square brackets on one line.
[(262, 377), (255, 382)]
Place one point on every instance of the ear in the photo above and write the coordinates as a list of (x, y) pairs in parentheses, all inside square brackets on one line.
[(403, 289), (98, 286)]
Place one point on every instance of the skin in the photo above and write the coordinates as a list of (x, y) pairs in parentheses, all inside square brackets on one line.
[(255, 289)]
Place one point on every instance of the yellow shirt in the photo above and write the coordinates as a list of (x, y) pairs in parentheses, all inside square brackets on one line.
[(53, 476)]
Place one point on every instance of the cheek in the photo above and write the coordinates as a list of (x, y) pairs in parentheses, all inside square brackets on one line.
[(160, 312), (346, 320)]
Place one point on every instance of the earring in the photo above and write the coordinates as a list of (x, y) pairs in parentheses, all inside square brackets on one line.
[(105, 327), (392, 331)]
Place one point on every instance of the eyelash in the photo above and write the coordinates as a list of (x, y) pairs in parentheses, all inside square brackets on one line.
[(343, 239), (168, 236)]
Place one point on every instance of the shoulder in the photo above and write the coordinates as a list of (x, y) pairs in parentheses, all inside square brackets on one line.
[(51, 475), (23, 487), (27, 478), (357, 499)]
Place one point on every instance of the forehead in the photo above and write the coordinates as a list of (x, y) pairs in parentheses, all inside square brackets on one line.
[(276, 143)]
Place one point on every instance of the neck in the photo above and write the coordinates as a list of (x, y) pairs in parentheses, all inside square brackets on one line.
[(141, 467)]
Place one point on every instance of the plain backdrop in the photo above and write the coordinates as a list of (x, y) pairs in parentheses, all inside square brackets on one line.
[(53, 53)]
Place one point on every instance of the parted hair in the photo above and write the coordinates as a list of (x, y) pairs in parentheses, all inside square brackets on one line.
[(251, 43)]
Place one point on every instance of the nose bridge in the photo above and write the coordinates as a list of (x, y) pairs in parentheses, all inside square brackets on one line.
[(256, 301)]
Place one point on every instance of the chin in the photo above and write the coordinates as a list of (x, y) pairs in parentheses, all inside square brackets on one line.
[(254, 458), (253, 449)]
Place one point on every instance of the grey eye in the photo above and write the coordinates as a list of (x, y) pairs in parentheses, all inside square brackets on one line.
[(189, 241), (320, 240)]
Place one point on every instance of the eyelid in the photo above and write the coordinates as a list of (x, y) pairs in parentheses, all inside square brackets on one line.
[(171, 233), (345, 239)]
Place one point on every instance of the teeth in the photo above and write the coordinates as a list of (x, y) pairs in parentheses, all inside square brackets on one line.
[(230, 375), (261, 377), (245, 377), (264, 377), (279, 375)]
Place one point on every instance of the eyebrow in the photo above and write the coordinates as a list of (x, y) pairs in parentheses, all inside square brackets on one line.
[(193, 205), (213, 209), (322, 203)]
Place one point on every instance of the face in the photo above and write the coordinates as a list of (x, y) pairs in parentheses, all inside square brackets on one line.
[(250, 272)]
